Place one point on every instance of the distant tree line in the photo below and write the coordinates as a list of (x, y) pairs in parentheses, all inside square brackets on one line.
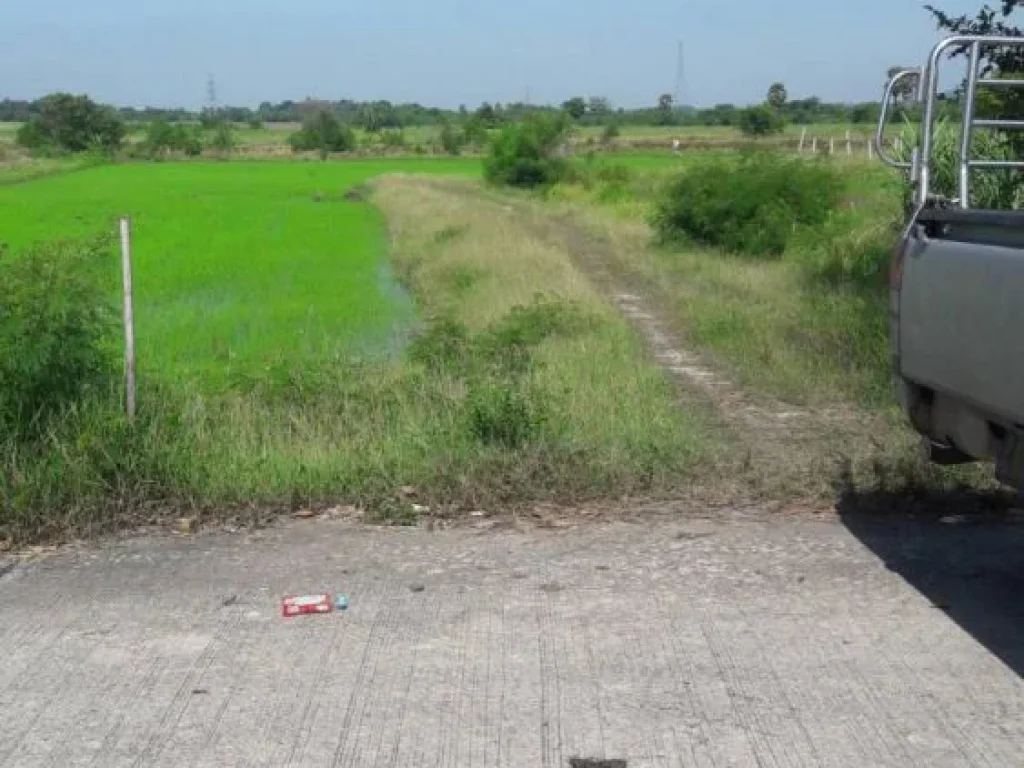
[(378, 116)]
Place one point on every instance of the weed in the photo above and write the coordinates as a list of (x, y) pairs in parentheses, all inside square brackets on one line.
[(56, 328), (504, 416)]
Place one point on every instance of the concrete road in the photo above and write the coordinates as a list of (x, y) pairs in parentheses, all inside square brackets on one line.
[(732, 641)]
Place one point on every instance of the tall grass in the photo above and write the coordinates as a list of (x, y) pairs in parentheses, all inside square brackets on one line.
[(999, 189)]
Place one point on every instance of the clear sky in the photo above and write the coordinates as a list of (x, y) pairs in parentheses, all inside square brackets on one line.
[(449, 52)]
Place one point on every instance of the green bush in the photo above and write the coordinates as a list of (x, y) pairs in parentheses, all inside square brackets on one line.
[(223, 141), (451, 140), (752, 205), (525, 155), (761, 121), (323, 133), (393, 139), (475, 133), (163, 138), (67, 123), (56, 331)]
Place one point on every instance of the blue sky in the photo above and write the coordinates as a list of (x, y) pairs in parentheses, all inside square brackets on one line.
[(448, 52)]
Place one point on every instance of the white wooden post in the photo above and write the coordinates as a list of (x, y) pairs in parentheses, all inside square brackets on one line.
[(849, 147), (803, 138), (129, 319), (831, 146), (814, 145), (898, 144), (871, 150)]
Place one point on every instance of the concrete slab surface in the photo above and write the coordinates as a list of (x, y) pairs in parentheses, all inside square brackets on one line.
[(725, 641)]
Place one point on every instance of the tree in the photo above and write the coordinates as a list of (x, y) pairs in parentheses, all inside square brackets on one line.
[(599, 106), (163, 138), (665, 115), (474, 132), (72, 124), (904, 90), (223, 141), (989, 21), (760, 121), (323, 133), (777, 96), (451, 139), (576, 107), (997, 62), (526, 155), (486, 115)]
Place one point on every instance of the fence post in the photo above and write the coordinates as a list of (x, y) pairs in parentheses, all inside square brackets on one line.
[(849, 147), (814, 145), (831, 146), (803, 138), (129, 318), (871, 151)]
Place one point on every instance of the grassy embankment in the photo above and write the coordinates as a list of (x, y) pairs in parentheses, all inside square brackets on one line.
[(272, 373)]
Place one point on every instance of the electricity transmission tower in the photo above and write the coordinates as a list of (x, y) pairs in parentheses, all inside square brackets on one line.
[(680, 77), (211, 94)]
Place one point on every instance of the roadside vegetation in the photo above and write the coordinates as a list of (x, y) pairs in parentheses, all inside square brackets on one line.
[(776, 264), (282, 366)]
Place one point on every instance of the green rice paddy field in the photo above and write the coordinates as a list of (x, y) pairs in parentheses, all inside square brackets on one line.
[(238, 266), (269, 374)]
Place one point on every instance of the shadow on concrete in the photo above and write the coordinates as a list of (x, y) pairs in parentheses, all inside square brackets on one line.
[(962, 549)]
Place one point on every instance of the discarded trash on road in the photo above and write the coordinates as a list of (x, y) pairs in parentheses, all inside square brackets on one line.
[(310, 604), (306, 604)]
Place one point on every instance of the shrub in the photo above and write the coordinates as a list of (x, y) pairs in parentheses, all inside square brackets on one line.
[(750, 206), (69, 123), (223, 140), (474, 133), (162, 138), (761, 121), (323, 133), (392, 139), (451, 140), (610, 133), (525, 155), (56, 331)]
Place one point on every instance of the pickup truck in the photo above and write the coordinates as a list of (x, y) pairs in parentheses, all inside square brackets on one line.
[(957, 283)]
